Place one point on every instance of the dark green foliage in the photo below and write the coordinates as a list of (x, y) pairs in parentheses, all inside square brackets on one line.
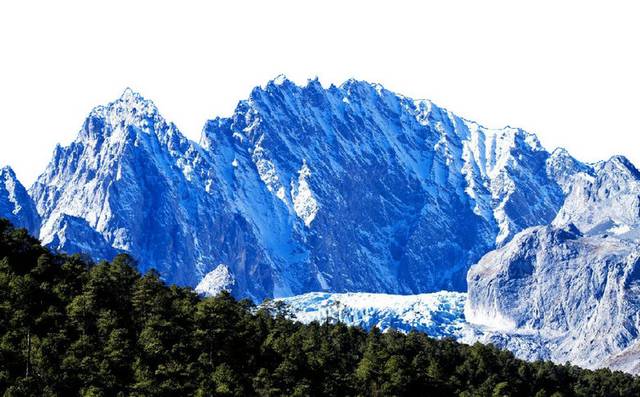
[(69, 328)]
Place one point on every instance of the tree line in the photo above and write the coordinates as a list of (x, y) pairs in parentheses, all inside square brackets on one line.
[(70, 327)]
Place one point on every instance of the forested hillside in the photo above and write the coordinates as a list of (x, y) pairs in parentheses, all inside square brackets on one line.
[(68, 327)]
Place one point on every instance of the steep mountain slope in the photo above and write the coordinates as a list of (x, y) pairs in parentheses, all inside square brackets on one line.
[(138, 182), (350, 188), (358, 189), (74, 235), (15, 203), (575, 283), (567, 291), (360, 182)]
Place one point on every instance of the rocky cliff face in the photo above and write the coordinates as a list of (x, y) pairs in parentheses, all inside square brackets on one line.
[(16, 204), (350, 188), (133, 183), (604, 198), (576, 283), (360, 181)]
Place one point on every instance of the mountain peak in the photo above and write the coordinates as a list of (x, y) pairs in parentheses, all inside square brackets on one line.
[(129, 95), (354, 84), (134, 100), (7, 170), (15, 203), (622, 161), (277, 83), (560, 152), (130, 109), (279, 79), (617, 164)]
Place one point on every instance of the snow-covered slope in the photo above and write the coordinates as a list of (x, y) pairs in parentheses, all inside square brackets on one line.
[(350, 188), (16, 204)]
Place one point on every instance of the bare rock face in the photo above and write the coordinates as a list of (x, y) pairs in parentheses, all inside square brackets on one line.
[(16, 204), (574, 284), (354, 184), (606, 199)]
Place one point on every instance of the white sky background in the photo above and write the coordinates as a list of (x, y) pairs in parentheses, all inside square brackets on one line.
[(567, 71)]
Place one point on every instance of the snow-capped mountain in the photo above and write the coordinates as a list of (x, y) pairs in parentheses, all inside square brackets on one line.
[(352, 184), (143, 188), (16, 204), (350, 188), (358, 189)]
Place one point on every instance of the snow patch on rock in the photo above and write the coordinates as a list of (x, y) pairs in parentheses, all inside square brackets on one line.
[(304, 204), (218, 280)]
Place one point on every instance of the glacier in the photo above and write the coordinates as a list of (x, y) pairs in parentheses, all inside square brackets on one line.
[(439, 314)]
